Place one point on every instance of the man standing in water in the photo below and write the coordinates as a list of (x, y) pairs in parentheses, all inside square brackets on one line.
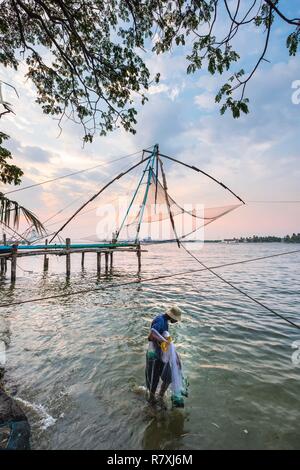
[(155, 367)]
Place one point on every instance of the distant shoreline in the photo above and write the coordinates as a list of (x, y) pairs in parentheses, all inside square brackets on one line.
[(294, 238), (231, 241)]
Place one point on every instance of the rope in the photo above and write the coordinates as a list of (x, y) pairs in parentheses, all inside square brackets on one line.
[(24, 270), (273, 202), (72, 174), (47, 234), (240, 290), (138, 281), (192, 167), (97, 194)]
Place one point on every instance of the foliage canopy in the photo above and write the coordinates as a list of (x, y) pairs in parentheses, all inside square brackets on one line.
[(86, 58)]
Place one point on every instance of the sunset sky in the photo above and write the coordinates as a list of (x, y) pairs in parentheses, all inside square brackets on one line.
[(257, 156)]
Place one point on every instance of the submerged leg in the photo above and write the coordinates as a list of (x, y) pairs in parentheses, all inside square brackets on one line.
[(163, 389), (166, 377), (152, 374)]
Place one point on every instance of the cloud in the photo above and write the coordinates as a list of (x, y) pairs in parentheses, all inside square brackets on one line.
[(171, 91), (205, 101), (256, 155), (34, 154), (160, 88)]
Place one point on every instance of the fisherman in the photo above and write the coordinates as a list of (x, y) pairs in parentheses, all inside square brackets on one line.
[(155, 367)]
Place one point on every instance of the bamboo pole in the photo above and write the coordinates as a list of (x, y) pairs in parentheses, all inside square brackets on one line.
[(97, 194), (68, 257), (150, 170), (165, 186), (2, 261), (13, 263), (60, 252), (138, 252), (46, 259), (98, 263), (192, 167), (5, 261)]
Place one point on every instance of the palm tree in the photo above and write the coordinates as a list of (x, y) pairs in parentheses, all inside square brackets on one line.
[(11, 211)]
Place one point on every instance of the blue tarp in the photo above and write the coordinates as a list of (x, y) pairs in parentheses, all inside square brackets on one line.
[(7, 249)]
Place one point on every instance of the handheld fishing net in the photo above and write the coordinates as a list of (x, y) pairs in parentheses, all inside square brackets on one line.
[(169, 368)]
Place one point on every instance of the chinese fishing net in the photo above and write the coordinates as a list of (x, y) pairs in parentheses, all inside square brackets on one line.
[(156, 209)]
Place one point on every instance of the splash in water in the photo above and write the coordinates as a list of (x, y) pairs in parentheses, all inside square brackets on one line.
[(46, 419)]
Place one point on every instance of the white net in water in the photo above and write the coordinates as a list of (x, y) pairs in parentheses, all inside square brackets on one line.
[(171, 359)]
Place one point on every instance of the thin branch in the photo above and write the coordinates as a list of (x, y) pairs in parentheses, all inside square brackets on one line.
[(244, 82), (294, 21)]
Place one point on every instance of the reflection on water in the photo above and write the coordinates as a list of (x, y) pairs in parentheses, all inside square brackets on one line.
[(164, 430), (80, 359)]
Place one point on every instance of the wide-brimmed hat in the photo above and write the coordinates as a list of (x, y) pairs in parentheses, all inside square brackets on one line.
[(174, 312)]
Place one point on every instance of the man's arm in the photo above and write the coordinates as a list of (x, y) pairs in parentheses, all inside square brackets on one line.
[(155, 336), (156, 330)]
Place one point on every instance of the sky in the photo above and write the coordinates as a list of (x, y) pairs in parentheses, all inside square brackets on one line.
[(257, 156)]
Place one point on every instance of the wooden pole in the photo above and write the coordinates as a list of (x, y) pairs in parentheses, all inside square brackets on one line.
[(13, 262), (46, 259), (68, 257), (106, 261), (199, 171), (168, 202), (4, 243), (82, 260), (139, 257), (98, 263), (111, 259), (2, 261), (97, 194)]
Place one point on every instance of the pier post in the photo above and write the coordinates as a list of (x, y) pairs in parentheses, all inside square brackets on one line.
[(111, 259), (5, 260), (98, 263), (82, 260), (68, 257), (2, 266), (138, 252), (13, 262), (106, 261), (2, 262), (46, 259)]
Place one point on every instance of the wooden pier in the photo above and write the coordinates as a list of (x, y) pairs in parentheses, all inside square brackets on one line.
[(106, 251)]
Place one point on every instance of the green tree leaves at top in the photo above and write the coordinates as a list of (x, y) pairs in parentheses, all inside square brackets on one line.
[(86, 58)]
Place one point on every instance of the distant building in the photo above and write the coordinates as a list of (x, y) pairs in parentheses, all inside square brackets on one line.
[(231, 240)]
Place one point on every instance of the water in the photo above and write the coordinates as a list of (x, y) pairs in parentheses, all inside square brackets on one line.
[(76, 364)]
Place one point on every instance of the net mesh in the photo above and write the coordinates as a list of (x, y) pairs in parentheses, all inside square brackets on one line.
[(158, 205)]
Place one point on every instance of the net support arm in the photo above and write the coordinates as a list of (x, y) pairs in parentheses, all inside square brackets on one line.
[(168, 202), (132, 200), (192, 167), (96, 195), (154, 154)]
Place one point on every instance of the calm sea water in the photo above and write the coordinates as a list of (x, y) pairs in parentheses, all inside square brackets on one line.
[(76, 363)]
